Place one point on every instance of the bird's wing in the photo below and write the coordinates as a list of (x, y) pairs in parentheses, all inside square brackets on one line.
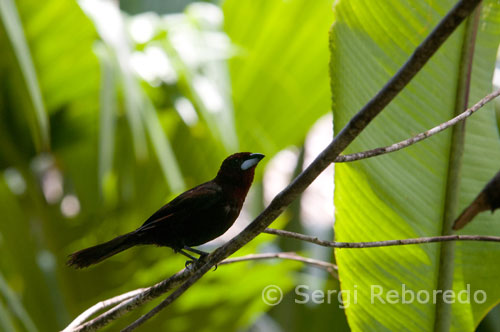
[(197, 199)]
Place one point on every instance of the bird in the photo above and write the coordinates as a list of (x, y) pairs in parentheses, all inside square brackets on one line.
[(488, 199), (196, 216)]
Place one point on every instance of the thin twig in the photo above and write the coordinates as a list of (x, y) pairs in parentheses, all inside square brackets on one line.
[(101, 306), (132, 303), (329, 267), (386, 243), (417, 138), (354, 127)]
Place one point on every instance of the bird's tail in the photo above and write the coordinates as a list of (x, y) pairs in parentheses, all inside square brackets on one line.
[(93, 255)]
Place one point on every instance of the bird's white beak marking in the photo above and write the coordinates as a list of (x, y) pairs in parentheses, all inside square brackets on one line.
[(249, 163)]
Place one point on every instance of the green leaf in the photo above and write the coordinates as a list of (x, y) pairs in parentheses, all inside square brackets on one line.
[(115, 36), (5, 320), (281, 68), (108, 103), (200, 49), (36, 114), (23, 288), (16, 306), (47, 65), (163, 148), (402, 195)]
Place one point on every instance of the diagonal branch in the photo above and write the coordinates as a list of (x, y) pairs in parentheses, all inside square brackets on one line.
[(417, 138), (354, 127)]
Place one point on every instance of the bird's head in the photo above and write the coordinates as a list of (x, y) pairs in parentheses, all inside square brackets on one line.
[(238, 169)]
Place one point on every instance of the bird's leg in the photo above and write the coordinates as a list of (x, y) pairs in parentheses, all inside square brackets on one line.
[(187, 255), (199, 252), (202, 254), (191, 260), (196, 251)]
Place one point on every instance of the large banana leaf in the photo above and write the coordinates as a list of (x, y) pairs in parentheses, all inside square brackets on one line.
[(402, 195)]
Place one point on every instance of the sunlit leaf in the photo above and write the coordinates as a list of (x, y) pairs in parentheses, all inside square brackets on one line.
[(110, 23), (279, 76), (402, 194), (16, 306), (163, 149), (37, 114), (5, 320), (108, 103)]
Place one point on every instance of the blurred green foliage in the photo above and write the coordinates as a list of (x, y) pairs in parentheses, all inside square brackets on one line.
[(105, 116), (106, 113)]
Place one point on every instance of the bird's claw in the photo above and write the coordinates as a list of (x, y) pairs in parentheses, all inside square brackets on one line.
[(189, 263)]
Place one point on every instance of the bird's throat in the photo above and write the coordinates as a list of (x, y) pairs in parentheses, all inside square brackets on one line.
[(235, 186)]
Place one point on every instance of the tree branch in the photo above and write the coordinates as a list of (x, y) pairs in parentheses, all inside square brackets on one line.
[(386, 243), (101, 306), (419, 137), (354, 127), (329, 267), (132, 303)]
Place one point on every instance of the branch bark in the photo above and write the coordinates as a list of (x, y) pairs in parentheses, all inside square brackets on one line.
[(377, 244), (130, 304), (329, 267), (101, 306), (419, 137)]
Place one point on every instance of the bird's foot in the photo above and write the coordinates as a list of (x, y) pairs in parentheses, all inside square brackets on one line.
[(192, 260)]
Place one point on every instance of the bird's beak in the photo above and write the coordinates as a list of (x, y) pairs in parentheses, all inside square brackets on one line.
[(252, 160)]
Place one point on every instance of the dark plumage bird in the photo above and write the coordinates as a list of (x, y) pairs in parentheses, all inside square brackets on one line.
[(488, 199), (195, 217)]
